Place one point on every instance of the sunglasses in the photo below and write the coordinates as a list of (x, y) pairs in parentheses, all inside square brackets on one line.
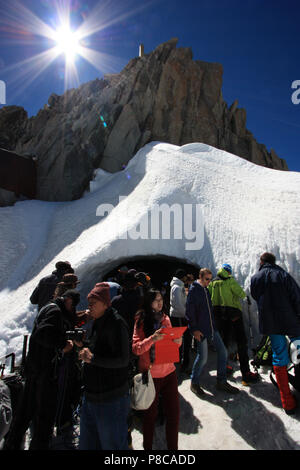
[(208, 278)]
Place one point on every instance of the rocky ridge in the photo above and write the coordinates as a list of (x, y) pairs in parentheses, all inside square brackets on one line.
[(161, 96)]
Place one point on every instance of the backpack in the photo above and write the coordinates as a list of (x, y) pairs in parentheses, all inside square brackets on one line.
[(263, 353), (11, 387), (294, 379), (15, 383), (5, 409), (293, 369)]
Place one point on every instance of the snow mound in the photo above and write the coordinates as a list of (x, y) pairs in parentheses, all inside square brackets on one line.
[(195, 148), (216, 208)]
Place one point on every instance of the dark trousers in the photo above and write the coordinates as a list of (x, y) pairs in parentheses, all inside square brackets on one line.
[(235, 330), (167, 388), (103, 425), (37, 406), (69, 390), (185, 348)]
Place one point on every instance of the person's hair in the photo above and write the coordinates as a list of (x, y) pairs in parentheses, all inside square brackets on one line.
[(61, 288), (146, 316), (268, 258), (129, 281), (64, 267), (72, 294), (180, 273), (203, 272)]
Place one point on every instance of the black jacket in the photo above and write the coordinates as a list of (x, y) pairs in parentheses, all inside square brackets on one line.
[(127, 304), (278, 299), (48, 338), (44, 291), (106, 377)]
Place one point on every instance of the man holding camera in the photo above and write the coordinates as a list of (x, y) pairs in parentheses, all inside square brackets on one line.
[(48, 344), (105, 406)]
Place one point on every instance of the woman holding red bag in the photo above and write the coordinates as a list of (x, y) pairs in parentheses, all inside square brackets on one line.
[(148, 329)]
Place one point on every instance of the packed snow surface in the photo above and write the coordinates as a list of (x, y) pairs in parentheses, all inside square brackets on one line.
[(224, 209)]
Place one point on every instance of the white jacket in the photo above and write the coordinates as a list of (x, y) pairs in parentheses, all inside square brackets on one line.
[(177, 298)]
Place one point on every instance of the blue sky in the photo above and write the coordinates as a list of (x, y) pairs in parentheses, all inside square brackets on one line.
[(256, 41)]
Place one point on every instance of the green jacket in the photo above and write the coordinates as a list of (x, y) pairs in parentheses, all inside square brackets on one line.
[(225, 291)]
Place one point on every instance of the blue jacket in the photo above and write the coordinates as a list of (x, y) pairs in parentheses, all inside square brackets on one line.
[(199, 310), (278, 299)]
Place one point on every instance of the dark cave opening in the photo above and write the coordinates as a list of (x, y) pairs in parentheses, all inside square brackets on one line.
[(160, 268)]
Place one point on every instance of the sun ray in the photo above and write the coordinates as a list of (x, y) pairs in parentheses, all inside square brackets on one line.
[(62, 8), (23, 26), (28, 70), (71, 75), (23, 21), (110, 14), (100, 60), (36, 61)]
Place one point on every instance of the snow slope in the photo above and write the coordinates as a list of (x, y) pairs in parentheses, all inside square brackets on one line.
[(244, 209)]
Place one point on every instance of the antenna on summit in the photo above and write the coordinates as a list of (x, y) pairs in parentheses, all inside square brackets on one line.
[(2, 92), (141, 50)]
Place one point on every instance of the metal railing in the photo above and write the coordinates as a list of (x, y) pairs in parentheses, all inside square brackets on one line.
[(12, 357), (3, 364)]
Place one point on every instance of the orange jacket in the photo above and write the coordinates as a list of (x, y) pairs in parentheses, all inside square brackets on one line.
[(141, 347)]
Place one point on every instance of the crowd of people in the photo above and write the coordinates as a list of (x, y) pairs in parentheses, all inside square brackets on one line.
[(85, 360)]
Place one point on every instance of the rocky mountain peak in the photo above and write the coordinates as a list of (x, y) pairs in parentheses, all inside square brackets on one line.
[(164, 96)]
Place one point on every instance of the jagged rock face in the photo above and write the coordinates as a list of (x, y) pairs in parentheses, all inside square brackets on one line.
[(162, 96), (13, 120)]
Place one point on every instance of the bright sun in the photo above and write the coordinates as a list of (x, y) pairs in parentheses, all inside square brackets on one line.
[(62, 40), (67, 43)]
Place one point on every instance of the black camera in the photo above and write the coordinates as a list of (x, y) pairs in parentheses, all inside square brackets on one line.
[(75, 335)]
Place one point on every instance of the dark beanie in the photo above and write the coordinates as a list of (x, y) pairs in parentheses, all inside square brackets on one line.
[(101, 291), (73, 294), (63, 265), (130, 280), (180, 273), (70, 279)]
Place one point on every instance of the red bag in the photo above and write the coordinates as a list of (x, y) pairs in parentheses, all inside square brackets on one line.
[(166, 350)]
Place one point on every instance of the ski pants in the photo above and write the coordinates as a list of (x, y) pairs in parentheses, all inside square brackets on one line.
[(236, 330), (279, 345)]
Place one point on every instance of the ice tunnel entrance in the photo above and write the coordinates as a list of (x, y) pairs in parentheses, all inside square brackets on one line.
[(161, 269)]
